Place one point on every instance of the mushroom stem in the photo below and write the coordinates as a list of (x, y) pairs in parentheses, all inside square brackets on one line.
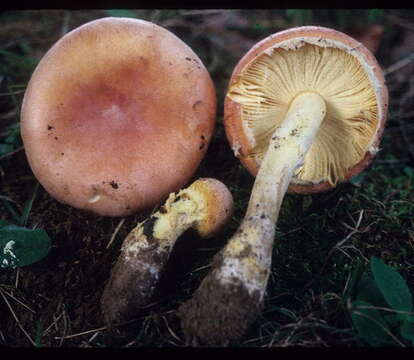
[(231, 295), (144, 254), (206, 205)]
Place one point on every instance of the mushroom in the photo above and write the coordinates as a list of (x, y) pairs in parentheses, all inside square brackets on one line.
[(117, 114), (205, 205), (304, 111)]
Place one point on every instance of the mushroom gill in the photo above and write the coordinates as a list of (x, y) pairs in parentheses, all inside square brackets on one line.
[(267, 86)]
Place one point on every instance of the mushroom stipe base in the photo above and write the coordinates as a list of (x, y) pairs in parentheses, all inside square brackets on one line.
[(132, 287), (237, 307), (144, 254)]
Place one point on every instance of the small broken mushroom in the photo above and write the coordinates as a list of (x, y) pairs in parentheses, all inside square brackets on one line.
[(206, 206), (305, 110)]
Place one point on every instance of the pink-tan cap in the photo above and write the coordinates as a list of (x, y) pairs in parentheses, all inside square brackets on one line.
[(117, 114)]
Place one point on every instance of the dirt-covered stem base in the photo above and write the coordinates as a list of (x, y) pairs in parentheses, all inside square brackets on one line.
[(143, 256)]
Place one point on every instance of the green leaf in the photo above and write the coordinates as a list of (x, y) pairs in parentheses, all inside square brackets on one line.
[(20, 246), (393, 320), (409, 171), (6, 148), (375, 16), (392, 286), (357, 180), (300, 16), (369, 324), (407, 330), (3, 223), (367, 291)]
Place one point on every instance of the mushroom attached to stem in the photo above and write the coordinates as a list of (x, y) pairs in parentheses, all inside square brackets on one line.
[(304, 111), (206, 206)]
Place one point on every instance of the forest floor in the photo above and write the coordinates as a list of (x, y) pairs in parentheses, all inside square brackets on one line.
[(323, 240)]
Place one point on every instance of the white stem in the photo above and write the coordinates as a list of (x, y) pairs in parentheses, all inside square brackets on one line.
[(286, 151), (232, 293)]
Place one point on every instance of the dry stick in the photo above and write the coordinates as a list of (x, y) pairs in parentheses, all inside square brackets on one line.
[(395, 19), (406, 98), (17, 300), (16, 281), (65, 22), (93, 337), (81, 333), (399, 64), (98, 329), (8, 115), (11, 153), (173, 334), (17, 319), (65, 325), (12, 93), (56, 319), (118, 227)]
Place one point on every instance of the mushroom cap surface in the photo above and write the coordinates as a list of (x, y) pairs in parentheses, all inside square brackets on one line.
[(309, 59), (217, 204), (117, 114)]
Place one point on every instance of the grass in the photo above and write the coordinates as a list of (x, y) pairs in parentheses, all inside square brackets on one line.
[(320, 240)]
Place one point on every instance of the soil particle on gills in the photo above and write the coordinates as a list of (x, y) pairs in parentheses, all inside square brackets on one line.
[(219, 312)]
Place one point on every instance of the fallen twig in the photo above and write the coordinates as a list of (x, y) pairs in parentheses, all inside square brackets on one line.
[(118, 227), (17, 319), (399, 64), (11, 153)]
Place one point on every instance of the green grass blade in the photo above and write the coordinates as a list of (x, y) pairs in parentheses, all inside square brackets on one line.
[(11, 210), (28, 207)]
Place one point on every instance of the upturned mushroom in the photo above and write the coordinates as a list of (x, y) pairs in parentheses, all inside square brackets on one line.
[(206, 206), (117, 114), (304, 111)]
